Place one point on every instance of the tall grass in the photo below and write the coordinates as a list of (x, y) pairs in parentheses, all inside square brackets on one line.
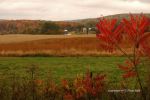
[(83, 87), (75, 46)]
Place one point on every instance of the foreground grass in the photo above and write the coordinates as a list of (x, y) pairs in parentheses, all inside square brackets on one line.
[(64, 67)]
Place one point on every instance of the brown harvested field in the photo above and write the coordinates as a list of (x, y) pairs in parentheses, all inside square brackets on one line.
[(15, 38), (74, 45)]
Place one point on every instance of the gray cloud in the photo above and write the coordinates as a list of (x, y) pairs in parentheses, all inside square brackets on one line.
[(68, 9), (139, 0)]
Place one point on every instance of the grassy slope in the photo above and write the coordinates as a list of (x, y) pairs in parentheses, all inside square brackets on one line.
[(64, 67)]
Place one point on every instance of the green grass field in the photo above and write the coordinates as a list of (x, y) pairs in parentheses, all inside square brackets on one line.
[(64, 67)]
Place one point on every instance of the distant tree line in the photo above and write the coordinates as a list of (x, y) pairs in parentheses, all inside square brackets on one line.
[(53, 27), (35, 27), (41, 27)]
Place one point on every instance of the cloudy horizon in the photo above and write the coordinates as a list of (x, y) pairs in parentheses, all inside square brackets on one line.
[(69, 9)]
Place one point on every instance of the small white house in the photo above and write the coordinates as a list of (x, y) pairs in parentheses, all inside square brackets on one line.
[(84, 29), (65, 32)]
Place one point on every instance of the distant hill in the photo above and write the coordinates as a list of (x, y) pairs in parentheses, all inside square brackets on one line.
[(93, 21), (51, 27)]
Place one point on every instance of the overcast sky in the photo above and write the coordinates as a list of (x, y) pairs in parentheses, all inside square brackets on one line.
[(69, 9)]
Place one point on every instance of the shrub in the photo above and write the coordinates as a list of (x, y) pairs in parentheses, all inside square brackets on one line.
[(135, 29)]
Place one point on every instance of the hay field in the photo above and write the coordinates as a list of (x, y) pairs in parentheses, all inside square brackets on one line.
[(51, 45), (15, 38)]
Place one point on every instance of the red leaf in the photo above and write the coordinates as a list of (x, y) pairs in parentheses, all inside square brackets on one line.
[(68, 96), (129, 74), (110, 34), (124, 68), (65, 84), (113, 22), (144, 37), (136, 27)]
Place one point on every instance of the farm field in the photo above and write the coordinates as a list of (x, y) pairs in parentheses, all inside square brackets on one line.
[(64, 67), (53, 45), (16, 38), (75, 50)]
